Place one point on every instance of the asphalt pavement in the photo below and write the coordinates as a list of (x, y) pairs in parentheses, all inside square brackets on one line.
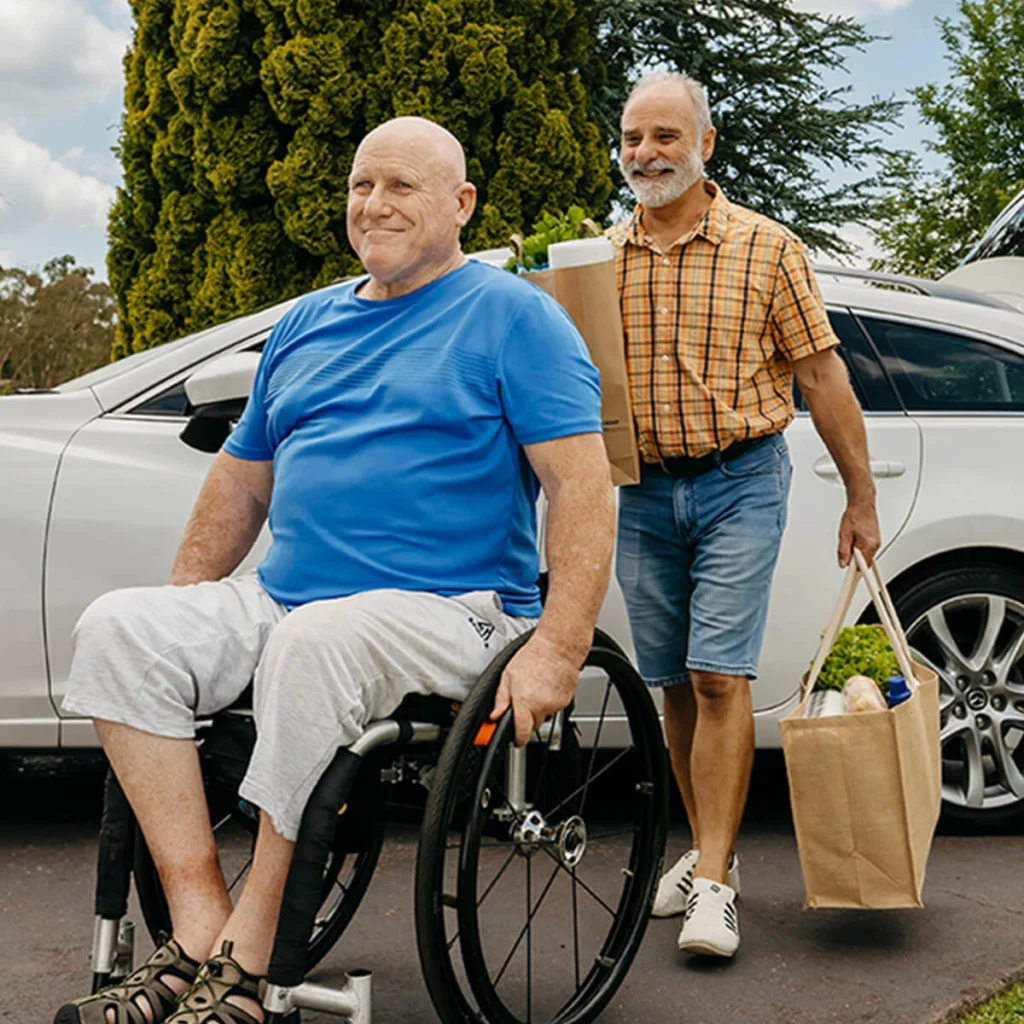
[(794, 966)]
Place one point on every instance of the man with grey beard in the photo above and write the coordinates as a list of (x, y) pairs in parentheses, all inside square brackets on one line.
[(720, 309)]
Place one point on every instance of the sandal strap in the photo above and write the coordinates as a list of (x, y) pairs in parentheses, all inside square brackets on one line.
[(220, 978), (147, 980)]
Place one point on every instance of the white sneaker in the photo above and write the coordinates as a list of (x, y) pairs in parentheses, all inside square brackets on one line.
[(710, 926), (677, 883)]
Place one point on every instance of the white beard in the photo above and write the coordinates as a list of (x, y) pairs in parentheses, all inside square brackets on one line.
[(667, 188)]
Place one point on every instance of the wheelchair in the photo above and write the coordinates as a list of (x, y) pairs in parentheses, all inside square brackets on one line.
[(508, 835)]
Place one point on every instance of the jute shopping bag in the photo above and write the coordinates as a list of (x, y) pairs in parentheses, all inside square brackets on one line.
[(866, 788), (589, 294)]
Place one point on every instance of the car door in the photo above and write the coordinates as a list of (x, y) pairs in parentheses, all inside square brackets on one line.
[(126, 488), (807, 578), (34, 431)]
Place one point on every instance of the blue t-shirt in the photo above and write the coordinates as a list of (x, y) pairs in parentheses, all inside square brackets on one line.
[(396, 427)]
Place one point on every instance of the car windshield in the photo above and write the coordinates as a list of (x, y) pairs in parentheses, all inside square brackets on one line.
[(132, 362), (1005, 235)]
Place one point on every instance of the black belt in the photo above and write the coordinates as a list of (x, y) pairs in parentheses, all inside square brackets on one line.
[(689, 467)]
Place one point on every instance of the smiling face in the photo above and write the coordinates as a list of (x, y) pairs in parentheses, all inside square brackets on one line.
[(661, 153), (408, 199)]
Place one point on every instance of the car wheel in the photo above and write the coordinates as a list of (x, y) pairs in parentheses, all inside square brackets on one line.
[(967, 623)]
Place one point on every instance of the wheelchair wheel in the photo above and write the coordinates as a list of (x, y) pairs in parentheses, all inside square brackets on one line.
[(346, 876), (533, 889)]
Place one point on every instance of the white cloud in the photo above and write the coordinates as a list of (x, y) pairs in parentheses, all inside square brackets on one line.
[(851, 8), (55, 55), (93, 165), (36, 190), (866, 248)]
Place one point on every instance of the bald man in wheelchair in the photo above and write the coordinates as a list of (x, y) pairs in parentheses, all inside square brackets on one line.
[(395, 436)]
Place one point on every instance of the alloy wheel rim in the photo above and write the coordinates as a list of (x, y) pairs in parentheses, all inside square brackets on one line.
[(975, 644)]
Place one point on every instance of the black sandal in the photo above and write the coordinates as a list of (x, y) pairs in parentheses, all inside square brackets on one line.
[(219, 978), (123, 997)]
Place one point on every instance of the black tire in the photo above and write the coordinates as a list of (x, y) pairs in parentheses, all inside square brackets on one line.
[(346, 878), (458, 970), (978, 758)]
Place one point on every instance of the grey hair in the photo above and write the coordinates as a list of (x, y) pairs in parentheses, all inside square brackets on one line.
[(693, 88)]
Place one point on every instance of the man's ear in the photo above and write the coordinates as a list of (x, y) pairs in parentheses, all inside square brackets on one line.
[(707, 144), (466, 198)]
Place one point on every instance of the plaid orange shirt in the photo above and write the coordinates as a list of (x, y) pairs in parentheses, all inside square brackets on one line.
[(713, 325)]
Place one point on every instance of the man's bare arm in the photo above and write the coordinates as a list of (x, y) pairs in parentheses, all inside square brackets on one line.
[(838, 419), (227, 517), (580, 538)]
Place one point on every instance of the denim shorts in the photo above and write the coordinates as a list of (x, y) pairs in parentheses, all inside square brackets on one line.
[(695, 563)]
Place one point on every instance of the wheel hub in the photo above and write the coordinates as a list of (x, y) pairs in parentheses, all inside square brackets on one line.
[(572, 841), (977, 700)]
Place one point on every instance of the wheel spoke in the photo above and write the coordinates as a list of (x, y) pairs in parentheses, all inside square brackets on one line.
[(523, 930), (575, 930), (593, 752), (995, 616), (946, 680), (1009, 773), (529, 939), (497, 877), (1013, 653), (974, 790), (955, 660), (574, 875), (618, 757)]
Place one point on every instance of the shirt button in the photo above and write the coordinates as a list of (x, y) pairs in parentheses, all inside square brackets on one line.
[(665, 261), (664, 311), (664, 359), (666, 408)]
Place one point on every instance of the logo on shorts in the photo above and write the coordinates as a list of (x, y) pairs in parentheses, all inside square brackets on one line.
[(484, 629)]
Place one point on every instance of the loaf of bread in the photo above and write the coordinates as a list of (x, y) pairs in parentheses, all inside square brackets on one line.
[(862, 694)]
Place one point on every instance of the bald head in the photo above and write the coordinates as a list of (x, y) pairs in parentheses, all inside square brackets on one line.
[(435, 147)]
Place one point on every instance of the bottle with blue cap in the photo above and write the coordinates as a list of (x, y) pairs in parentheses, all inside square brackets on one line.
[(898, 691)]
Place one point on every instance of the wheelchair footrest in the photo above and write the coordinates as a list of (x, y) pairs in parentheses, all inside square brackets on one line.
[(353, 1001)]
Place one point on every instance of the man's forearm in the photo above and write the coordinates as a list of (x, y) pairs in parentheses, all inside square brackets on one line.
[(839, 422), (580, 538), (225, 522)]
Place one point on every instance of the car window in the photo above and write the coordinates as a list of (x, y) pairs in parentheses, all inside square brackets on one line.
[(940, 371), (870, 384)]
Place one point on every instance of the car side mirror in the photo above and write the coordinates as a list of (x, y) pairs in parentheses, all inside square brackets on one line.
[(217, 394)]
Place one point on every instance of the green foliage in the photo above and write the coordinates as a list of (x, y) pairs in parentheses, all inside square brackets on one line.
[(242, 118), (549, 229), (858, 651), (928, 221), (54, 325), (781, 129), (1007, 1008)]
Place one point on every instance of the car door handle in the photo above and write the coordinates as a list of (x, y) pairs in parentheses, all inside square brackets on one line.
[(828, 470)]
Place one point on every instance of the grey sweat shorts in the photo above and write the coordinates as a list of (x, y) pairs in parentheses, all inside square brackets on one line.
[(156, 658)]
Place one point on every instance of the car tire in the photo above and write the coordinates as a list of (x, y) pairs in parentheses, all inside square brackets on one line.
[(981, 684)]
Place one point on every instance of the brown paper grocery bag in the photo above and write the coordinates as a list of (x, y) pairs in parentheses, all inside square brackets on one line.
[(589, 294), (866, 788)]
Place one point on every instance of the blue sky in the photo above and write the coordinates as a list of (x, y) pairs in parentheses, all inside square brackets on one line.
[(60, 104)]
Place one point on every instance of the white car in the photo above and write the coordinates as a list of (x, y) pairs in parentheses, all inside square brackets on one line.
[(97, 486)]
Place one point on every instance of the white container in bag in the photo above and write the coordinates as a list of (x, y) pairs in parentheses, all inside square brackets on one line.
[(580, 252)]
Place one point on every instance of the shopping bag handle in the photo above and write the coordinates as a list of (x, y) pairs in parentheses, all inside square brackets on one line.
[(887, 617)]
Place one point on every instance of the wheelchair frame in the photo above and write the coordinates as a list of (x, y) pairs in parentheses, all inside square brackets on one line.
[(287, 990)]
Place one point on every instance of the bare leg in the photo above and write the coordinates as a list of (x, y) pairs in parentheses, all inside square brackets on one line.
[(680, 720), (162, 781), (721, 761), (253, 923)]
